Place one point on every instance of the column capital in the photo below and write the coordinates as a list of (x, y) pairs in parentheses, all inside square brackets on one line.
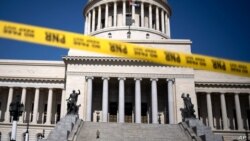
[(89, 77), (170, 79), (153, 79), (105, 78), (121, 78), (138, 78)]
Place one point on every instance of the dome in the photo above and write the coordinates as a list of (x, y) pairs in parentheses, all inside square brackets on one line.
[(128, 19)]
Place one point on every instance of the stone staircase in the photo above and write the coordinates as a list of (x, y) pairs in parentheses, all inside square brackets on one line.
[(130, 132)]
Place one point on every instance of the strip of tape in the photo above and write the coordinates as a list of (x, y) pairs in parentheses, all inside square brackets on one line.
[(69, 40)]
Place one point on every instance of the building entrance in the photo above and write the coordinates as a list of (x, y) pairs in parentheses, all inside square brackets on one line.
[(113, 106), (128, 112)]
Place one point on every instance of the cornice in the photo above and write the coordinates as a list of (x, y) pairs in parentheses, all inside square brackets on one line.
[(26, 79), (221, 85), (112, 61), (32, 62), (132, 75)]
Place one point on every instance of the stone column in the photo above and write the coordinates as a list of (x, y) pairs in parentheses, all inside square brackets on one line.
[(93, 20), (89, 22), (209, 110), (89, 98), (124, 13), (157, 18), (238, 111), (121, 99), (142, 14), (166, 23), (7, 113), (138, 100), (168, 31), (106, 15), (99, 17), (35, 109), (224, 111), (23, 100), (154, 100), (105, 100), (162, 21), (115, 13), (133, 15), (150, 15), (63, 100), (170, 101), (49, 106), (86, 25)]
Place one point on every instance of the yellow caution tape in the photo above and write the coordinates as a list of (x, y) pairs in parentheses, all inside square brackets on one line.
[(69, 40)]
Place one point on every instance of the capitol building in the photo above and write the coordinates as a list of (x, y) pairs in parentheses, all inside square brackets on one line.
[(120, 90)]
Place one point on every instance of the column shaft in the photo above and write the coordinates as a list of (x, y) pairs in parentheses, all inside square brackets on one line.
[(154, 101), (166, 23), (209, 110), (49, 106), (142, 14), (157, 18), (106, 15), (89, 97), (115, 13), (150, 15), (86, 25), (224, 111), (133, 15), (93, 20), (23, 100), (170, 101), (36, 103), (10, 97), (162, 21), (121, 100), (238, 112), (124, 13), (99, 18), (89, 22), (105, 100), (137, 100)]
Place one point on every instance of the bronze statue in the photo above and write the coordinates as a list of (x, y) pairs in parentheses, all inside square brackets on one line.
[(72, 108), (188, 110)]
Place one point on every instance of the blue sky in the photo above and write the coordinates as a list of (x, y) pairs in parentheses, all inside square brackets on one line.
[(219, 28)]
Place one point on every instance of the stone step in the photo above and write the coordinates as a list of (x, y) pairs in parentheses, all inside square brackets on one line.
[(130, 132)]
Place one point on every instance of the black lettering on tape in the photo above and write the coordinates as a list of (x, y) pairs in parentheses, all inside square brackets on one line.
[(55, 37), (172, 57), (18, 31), (219, 65), (239, 68), (93, 43), (118, 48), (80, 42)]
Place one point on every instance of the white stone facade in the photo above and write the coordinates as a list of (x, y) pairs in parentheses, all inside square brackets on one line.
[(118, 89)]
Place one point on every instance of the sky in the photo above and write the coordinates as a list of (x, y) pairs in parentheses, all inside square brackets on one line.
[(219, 28)]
